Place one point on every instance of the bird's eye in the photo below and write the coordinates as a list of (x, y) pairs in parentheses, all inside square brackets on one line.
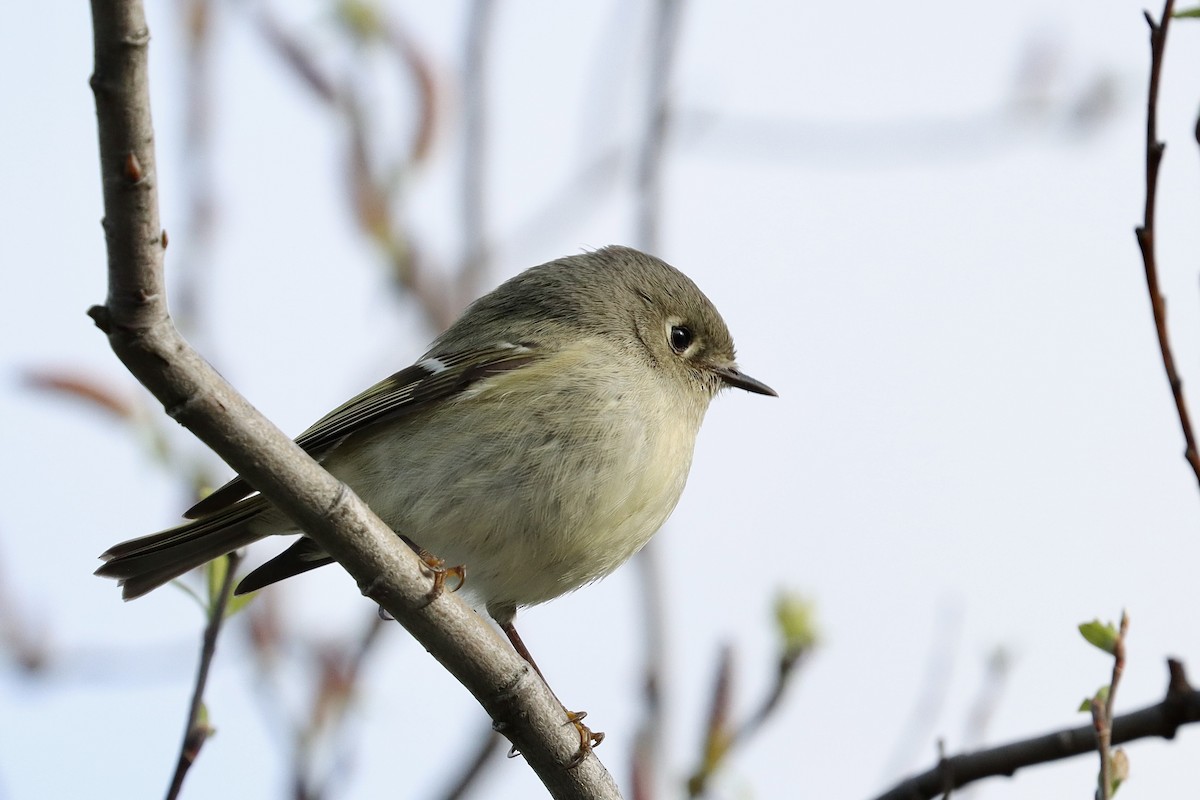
[(681, 338)]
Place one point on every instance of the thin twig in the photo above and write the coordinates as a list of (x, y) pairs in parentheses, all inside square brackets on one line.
[(664, 37), (721, 735), (1181, 706), (338, 679), (717, 737), (197, 730), (474, 137), (1102, 714), (1145, 232), (197, 158)]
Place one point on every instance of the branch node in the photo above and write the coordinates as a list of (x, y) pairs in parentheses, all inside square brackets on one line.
[(133, 168), (101, 317), (138, 38), (1178, 687)]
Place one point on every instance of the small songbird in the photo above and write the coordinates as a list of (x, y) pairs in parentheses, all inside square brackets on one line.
[(540, 442)]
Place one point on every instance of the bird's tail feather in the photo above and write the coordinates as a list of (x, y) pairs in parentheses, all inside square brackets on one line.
[(144, 564)]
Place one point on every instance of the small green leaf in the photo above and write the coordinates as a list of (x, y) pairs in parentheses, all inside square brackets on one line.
[(214, 574), (1100, 634), (1187, 12), (237, 602), (361, 17), (202, 715), (796, 620), (1100, 697)]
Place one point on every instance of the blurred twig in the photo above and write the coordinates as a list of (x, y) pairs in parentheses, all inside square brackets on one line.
[(928, 699), (17, 637), (474, 130), (797, 628), (200, 214), (197, 730), (664, 35), (1180, 707), (1145, 232), (995, 680), (377, 179)]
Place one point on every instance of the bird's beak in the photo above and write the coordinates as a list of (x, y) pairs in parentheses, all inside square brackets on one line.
[(732, 376)]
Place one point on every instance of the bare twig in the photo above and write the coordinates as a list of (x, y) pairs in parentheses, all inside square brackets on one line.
[(201, 203), (1181, 706), (647, 747), (1145, 232), (337, 680), (197, 730), (474, 199), (930, 696), (140, 332), (722, 735), (718, 737), (664, 36), (373, 194)]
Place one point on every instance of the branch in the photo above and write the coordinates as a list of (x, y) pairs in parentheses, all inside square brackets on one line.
[(1145, 233), (142, 335), (1180, 707)]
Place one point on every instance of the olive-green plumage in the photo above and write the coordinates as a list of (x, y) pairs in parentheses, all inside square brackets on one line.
[(541, 441)]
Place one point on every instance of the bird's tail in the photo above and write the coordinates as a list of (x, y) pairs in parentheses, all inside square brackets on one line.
[(141, 565)]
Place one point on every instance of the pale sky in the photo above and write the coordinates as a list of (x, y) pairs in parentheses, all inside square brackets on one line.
[(974, 444)]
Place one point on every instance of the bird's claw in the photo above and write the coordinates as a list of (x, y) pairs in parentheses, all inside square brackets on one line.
[(588, 739), (439, 569), (440, 573)]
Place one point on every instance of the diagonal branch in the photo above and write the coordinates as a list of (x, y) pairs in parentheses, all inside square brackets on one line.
[(142, 335), (1145, 232)]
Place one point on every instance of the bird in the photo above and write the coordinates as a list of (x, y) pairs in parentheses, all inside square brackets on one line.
[(539, 443)]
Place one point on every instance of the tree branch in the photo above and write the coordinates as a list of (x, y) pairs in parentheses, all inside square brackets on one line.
[(1145, 233), (142, 335), (1180, 707)]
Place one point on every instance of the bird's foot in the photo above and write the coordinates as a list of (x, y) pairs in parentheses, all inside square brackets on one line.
[(588, 739), (439, 569), (441, 572)]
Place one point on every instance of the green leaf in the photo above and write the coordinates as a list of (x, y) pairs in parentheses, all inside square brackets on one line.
[(237, 602), (796, 620), (1100, 634), (214, 575), (361, 18), (1100, 697), (1188, 12)]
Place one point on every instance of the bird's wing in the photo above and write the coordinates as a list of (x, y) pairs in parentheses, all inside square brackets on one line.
[(433, 379)]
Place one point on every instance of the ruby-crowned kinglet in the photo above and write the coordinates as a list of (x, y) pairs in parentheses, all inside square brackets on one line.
[(541, 441)]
